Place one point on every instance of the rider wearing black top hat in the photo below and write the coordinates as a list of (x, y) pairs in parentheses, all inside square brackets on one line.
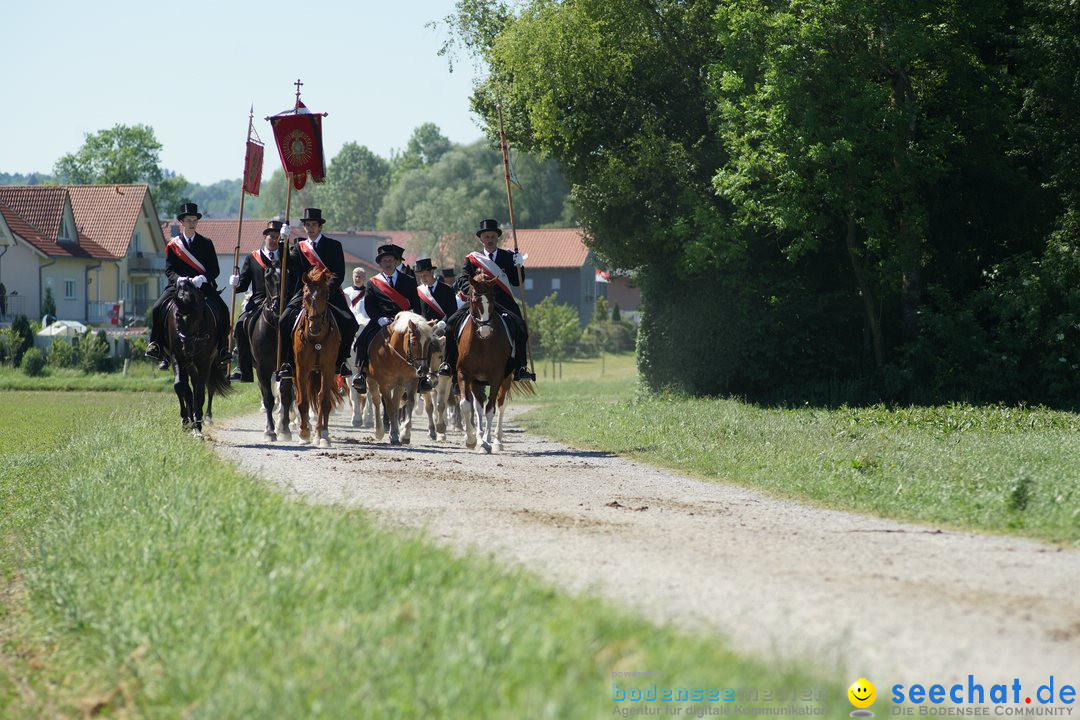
[(317, 250), (505, 267), (189, 257)]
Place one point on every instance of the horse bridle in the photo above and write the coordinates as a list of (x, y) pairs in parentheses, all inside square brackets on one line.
[(473, 301), (323, 316)]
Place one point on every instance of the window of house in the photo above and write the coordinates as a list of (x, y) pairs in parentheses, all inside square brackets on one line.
[(69, 289), (528, 284), (135, 243), (556, 284)]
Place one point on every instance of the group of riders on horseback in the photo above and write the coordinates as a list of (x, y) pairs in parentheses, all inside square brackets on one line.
[(192, 259)]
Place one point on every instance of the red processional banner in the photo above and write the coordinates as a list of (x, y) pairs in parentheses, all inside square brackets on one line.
[(298, 134), (253, 162)]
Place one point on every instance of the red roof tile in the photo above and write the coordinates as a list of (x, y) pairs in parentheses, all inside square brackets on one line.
[(108, 213), (42, 204), (562, 247)]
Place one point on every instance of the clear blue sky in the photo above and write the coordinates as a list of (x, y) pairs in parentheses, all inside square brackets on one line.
[(192, 70)]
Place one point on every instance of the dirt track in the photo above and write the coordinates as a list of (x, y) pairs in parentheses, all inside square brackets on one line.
[(860, 595)]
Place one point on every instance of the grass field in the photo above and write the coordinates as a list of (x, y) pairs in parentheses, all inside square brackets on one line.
[(141, 377), (143, 577), (990, 468)]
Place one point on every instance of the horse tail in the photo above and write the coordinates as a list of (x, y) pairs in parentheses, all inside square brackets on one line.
[(218, 380), (520, 388)]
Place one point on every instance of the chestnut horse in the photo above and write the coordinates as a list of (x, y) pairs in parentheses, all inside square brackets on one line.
[(262, 330), (316, 339), (197, 374), (397, 355), (483, 355)]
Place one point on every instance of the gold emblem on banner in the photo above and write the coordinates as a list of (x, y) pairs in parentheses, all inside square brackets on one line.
[(297, 146)]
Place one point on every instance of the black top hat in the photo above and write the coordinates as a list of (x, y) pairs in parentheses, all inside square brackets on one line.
[(423, 264), (272, 226), (392, 250), (189, 209), (489, 224), (448, 272), (313, 214)]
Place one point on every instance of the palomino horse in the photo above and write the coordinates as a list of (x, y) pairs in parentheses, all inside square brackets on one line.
[(197, 374), (262, 330), (316, 339), (483, 354), (397, 355)]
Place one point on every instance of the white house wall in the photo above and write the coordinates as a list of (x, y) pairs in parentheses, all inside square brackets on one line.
[(55, 276), (19, 273)]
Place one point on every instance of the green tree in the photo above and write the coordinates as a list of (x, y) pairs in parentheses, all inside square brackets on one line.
[(356, 183), (48, 305), (122, 154), (274, 193), (557, 327), (426, 145)]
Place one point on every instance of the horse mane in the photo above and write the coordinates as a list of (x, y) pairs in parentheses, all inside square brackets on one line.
[(402, 320), (318, 275)]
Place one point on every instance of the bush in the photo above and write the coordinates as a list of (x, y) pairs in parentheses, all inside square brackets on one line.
[(94, 353), (23, 340), (33, 362), (62, 354)]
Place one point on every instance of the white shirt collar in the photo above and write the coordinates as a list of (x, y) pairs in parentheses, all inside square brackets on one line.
[(391, 278), (317, 239)]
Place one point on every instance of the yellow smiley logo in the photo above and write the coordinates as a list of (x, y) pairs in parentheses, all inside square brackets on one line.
[(862, 693)]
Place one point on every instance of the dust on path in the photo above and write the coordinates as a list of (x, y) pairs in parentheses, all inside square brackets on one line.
[(856, 595)]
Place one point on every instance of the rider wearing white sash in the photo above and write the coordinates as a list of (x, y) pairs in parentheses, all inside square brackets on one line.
[(504, 266), (317, 251), (190, 257)]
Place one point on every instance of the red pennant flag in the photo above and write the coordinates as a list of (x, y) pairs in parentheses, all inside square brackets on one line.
[(298, 134), (253, 161)]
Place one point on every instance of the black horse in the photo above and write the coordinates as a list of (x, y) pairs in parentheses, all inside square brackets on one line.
[(262, 330), (197, 374)]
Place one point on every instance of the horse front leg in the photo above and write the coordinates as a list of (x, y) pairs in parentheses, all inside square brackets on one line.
[(303, 394), (408, 404), (442, 392), (390, 398), (465, 409), (501, 404), (489, 416), (198, 392), (479, 399), (325, 404), (285, 396), (183, 394), (429, 410)]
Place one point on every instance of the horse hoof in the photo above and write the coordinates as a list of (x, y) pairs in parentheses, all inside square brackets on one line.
[(431, 434), (286, 437), (470, 444), (441, 437), (324, 443), (357, 423), (486, 447), (208, 421), (269, 437), (498, 447)]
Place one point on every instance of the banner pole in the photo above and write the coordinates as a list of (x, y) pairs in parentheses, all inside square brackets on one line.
[(239, 232), (513, 230)]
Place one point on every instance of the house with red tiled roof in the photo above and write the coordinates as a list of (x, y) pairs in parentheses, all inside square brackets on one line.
[(97, 248)]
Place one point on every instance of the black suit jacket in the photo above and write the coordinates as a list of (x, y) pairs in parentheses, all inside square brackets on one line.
[(505, 260), (330, 252), (378, 305), (253, 275), (203, 250), (445, 297)]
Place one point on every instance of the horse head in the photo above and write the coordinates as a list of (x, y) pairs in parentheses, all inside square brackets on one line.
[(272, 278), (316, 296), (482, 303), (194, 327)]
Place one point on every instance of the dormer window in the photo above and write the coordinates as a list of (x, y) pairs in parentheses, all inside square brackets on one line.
[(67, 232)]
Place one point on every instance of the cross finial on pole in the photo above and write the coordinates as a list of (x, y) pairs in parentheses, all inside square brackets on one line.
[(298, 84)]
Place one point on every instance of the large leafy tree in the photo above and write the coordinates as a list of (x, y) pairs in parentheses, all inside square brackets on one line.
[(356, 183), (122, 154)]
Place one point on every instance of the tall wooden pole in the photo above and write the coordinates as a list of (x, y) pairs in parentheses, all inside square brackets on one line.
[(282, 300), (513, 230), (239, 232)]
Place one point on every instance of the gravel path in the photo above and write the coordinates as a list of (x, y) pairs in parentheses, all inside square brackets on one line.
[(857, 595)]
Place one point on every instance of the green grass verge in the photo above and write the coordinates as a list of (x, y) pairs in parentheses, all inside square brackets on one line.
[(146, 578), (990, 468), (141, 377)]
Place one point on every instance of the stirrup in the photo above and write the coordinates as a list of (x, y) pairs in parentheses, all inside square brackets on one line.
[(344, 370), (359, 383), (522, 374), (153, 350), (445, 370), (424, 387), (285, 371), (163, 365)]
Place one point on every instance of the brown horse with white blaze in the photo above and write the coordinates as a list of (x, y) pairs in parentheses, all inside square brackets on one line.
[(484, 352), (398, 355), (315, 347)]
